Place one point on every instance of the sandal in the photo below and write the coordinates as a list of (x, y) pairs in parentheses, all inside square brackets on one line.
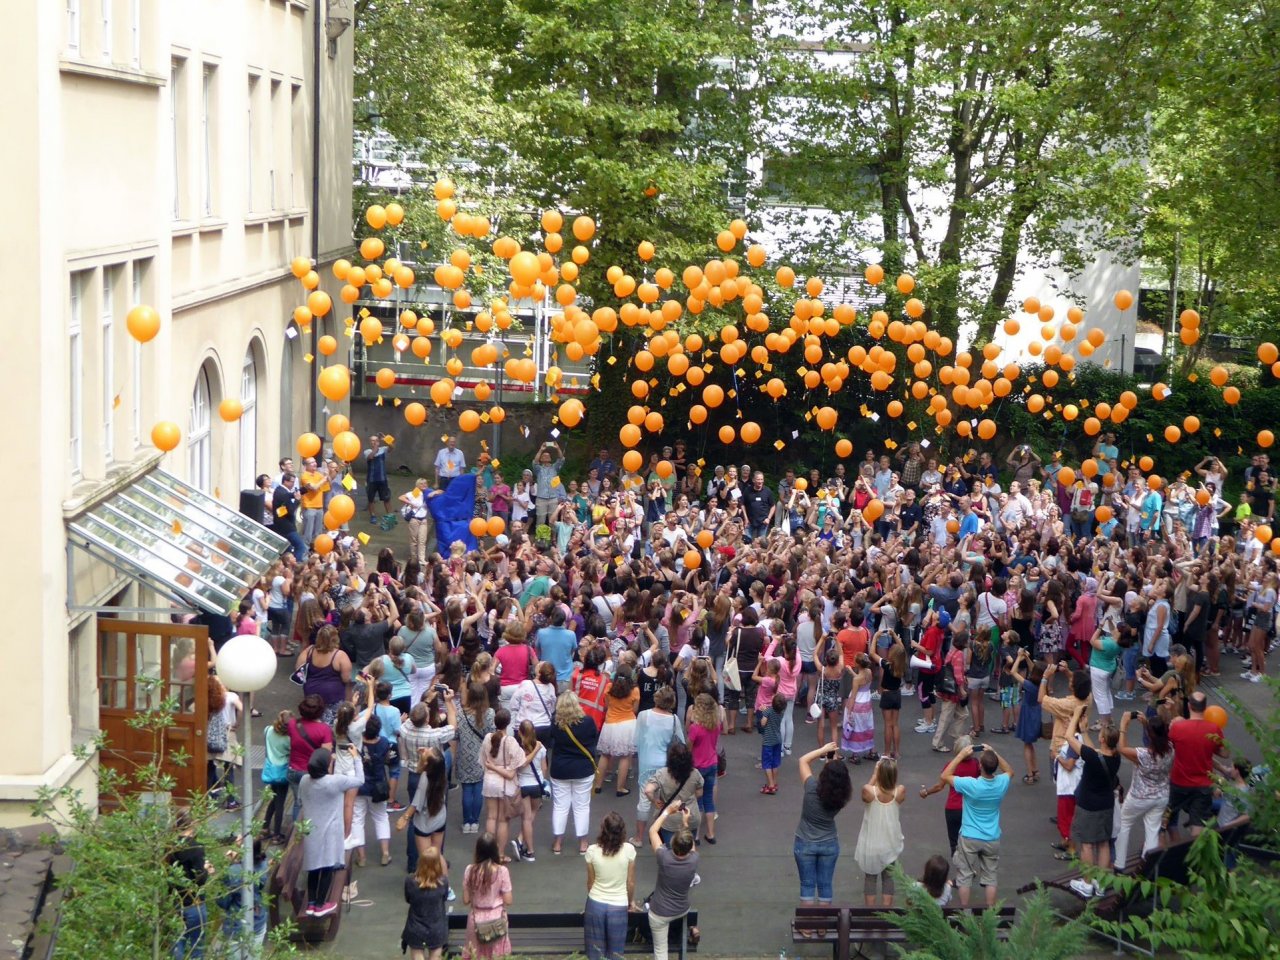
[(1031, 778), (1062, 856), (622, 793)]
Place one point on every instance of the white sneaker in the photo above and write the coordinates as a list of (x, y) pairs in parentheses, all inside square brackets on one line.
[(1083, 887), (921, 726), (875, 695), (908, 690), (1247, 675), (696, 880), (1254, 678), (452, 896)]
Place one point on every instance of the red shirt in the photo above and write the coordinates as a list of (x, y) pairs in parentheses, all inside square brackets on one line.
[(591, 689), (932, 641), (1194, 744), (853, 641), (300, 750), (968, 767)]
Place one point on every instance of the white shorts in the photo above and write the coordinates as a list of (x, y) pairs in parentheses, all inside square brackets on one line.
[(1101, 681)]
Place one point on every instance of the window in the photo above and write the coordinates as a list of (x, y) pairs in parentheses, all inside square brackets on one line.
[(135, 26), (176, 129), (199, 443), (73, 26), (297, 137), (248, 421), (251, 139), (207, 121), (106, 30), (140, 268), (279, 135), (107, 351), (75, 333)]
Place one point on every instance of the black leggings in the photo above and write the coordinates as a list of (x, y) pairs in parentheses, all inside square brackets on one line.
[(953, 828), (318, 883), (273, 819)]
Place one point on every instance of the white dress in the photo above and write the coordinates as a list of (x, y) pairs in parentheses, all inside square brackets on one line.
[(880, 840)]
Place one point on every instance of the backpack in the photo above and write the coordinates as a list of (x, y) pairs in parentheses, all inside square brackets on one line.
[(216, 733)]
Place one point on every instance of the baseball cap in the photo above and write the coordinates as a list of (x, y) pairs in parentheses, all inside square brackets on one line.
[(944, 618), (728, 552)]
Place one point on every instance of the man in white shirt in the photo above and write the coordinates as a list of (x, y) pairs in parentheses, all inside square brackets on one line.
[(673, 533), (450, 462), (991, 610)]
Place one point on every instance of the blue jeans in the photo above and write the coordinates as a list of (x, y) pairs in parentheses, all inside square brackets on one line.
[(708, 800), (604, 930), (757, 531), (472, 801), (191, 945), (816, 864), (1129, 658), (297, 545)]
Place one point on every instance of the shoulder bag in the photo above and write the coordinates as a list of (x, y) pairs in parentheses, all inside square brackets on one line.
[(488, 931), (578, 743), (299, 676), (732, 679), (380, 789)]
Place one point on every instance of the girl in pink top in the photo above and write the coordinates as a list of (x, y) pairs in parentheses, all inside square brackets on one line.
[(789, 667)]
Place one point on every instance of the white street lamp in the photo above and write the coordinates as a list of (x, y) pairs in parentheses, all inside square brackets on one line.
[(246, 664)]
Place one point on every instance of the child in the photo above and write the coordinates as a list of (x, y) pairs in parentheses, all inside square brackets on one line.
[(1010, 689), (1069, 773), (766, 675), (771, 746), (1029, 723), (936, 879), (426, 928)]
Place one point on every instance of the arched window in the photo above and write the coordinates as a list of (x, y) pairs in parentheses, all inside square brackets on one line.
[(248, 421), (199, 442)]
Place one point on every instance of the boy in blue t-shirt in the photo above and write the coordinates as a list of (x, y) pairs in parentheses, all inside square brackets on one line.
[(771, 746)]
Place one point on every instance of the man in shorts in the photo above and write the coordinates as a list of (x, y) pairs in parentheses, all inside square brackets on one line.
[(1196, 742), (977, 854), (376, 487)]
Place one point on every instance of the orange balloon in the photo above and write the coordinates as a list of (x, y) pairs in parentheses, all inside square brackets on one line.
[(415, 414), (1191, 424), (165, 436), (1155, 482), (478, 527), (1262, 533), (1089, 468), (308, 445), (750, 432), (1092, 426), (726, 434), (692, 559), (826, 418), (873, 511), (844, 447), (346, 446), (1268, 353), (698, 413), (1066, 476), (343, 508), (1104, 514), (705, 538), (629, 435), (632, 461), (323, 544), (230, 410), (874, 274), (1172, 434), (712, 395), (1123, 299), (1266, 438), (1231, 395)]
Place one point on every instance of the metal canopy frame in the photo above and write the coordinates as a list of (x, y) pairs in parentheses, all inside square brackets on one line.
[(176, 540)]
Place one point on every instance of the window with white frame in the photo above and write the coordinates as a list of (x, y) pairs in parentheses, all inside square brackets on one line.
[(199, 441), (135, 28), (176, 113), (75, 336), (135, 361), (73, 26), (248, 421), (207, 133), (107, 30), (108, 353), (279, 135), (251, 140), (297, 137)]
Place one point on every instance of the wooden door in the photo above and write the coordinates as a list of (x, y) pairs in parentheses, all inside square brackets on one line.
[(140, 665)]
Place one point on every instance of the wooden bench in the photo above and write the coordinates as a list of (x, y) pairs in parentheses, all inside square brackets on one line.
[(560, 934), (843, 925)]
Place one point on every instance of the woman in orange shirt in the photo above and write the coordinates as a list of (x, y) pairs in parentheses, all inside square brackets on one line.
[(618, 738)]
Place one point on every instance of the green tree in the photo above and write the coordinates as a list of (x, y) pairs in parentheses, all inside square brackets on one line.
[(120, 890), (987, 134)]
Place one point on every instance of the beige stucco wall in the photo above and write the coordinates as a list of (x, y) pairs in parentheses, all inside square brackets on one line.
[(90, 192)]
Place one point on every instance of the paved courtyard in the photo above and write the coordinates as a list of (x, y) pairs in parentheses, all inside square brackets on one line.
[(749, 884)]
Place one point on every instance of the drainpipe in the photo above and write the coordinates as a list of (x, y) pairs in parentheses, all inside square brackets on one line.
[(317, 47)]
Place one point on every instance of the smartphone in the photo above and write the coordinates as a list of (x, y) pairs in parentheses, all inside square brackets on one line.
[(1134, 714), (978, 748)]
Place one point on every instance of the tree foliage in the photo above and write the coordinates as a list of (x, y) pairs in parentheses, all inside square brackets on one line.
[(120, 891), (991, 134)]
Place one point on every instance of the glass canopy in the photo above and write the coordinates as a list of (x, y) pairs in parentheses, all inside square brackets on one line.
[(180, 541)]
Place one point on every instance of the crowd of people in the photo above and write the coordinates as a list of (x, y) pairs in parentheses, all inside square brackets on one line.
[(626, 623)]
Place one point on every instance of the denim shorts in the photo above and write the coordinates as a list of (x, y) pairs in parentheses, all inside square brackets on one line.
[(770, 756)]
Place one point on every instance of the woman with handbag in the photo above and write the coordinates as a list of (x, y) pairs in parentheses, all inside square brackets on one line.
[(533, 779), (704, 742), (322, 793), (502, 758), (371, 798), (573, 770), (486, 889), (611, 890), (676, 783), (324, 670), (475, 721), (534, 702), (275, 776)]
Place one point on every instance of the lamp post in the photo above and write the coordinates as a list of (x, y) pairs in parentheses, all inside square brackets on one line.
[(246, 664)]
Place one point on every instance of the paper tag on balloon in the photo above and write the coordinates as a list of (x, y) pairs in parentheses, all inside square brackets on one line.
[(348, 483), (282, 511), (291, 333), (779, 445), (363, 538)]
